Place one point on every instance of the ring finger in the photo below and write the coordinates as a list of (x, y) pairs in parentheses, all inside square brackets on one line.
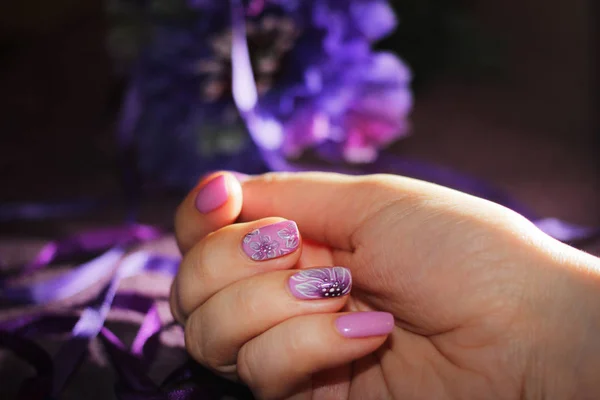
[(219, 328)]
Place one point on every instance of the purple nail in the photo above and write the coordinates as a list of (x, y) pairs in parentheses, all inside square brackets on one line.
[(213, 195), (321, 283), (365, 324), (271, 241)]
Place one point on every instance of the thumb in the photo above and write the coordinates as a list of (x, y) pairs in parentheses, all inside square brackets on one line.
[(214, 203)]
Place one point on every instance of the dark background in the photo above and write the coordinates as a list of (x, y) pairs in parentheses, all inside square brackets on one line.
[(522, 115)]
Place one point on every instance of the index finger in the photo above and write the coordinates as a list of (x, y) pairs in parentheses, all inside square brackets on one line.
[(328, 208)]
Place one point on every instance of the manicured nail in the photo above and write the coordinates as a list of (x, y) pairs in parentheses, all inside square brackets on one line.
[(213, 195), (321, 283), (365, 324), (271, 241)]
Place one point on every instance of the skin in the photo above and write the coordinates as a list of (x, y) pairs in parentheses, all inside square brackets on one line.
[(485, 305)]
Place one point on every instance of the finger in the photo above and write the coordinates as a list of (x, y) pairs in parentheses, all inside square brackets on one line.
[(230, 254), (329, 208), (284, 358), (214, 203), (217, 330)]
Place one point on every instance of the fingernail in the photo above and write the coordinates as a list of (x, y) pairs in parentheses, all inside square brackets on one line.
[(271, 241), (365, 324), (321, 283), (213, 195)]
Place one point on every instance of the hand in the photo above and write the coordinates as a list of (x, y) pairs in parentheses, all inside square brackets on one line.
[(484, 305)]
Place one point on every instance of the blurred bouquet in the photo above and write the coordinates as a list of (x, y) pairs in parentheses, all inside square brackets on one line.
[(321, 87)]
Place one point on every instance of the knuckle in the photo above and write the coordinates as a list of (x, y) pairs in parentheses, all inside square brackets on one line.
[(245, 367), (245, 297), (193, 340), (175, 303), (200, 344), (378, 184)]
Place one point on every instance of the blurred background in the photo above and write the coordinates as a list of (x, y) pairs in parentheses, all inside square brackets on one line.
[(505, 91)]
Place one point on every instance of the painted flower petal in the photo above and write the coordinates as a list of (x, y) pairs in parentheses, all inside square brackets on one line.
[(292, 242), (344, 277), (271, 253), (284, 233), (314, 275), (309, 290), (265, 239), (251, 236)]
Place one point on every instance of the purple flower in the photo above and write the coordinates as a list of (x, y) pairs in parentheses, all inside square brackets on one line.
[(264, 248), (320, 283), (347, 104), (319, 84), (361, 107)]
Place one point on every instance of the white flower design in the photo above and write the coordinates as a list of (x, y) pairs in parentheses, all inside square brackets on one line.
[(290, 235), (321, 283), (248, 238), (265, 248)]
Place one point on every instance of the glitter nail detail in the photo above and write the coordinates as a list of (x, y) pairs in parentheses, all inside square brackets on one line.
[(271, 241), (321, 283)]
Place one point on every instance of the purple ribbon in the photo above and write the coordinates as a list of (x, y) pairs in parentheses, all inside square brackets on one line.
[(91, 323), (190, 381), (92, 241), (66, 285)]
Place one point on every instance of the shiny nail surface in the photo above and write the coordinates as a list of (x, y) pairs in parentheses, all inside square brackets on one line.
[(365, 324), (321, 283), (271, 241), (213, 195)]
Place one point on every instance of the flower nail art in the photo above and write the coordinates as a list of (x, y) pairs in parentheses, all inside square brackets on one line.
[(271, 241), (321, 283), (290, 235)]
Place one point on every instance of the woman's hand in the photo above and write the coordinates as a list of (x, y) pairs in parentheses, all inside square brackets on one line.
[(451, 296)]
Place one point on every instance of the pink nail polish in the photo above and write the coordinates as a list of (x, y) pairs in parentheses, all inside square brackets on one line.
[(213, 195), (365, 324), (321, 283), (271, 241)]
